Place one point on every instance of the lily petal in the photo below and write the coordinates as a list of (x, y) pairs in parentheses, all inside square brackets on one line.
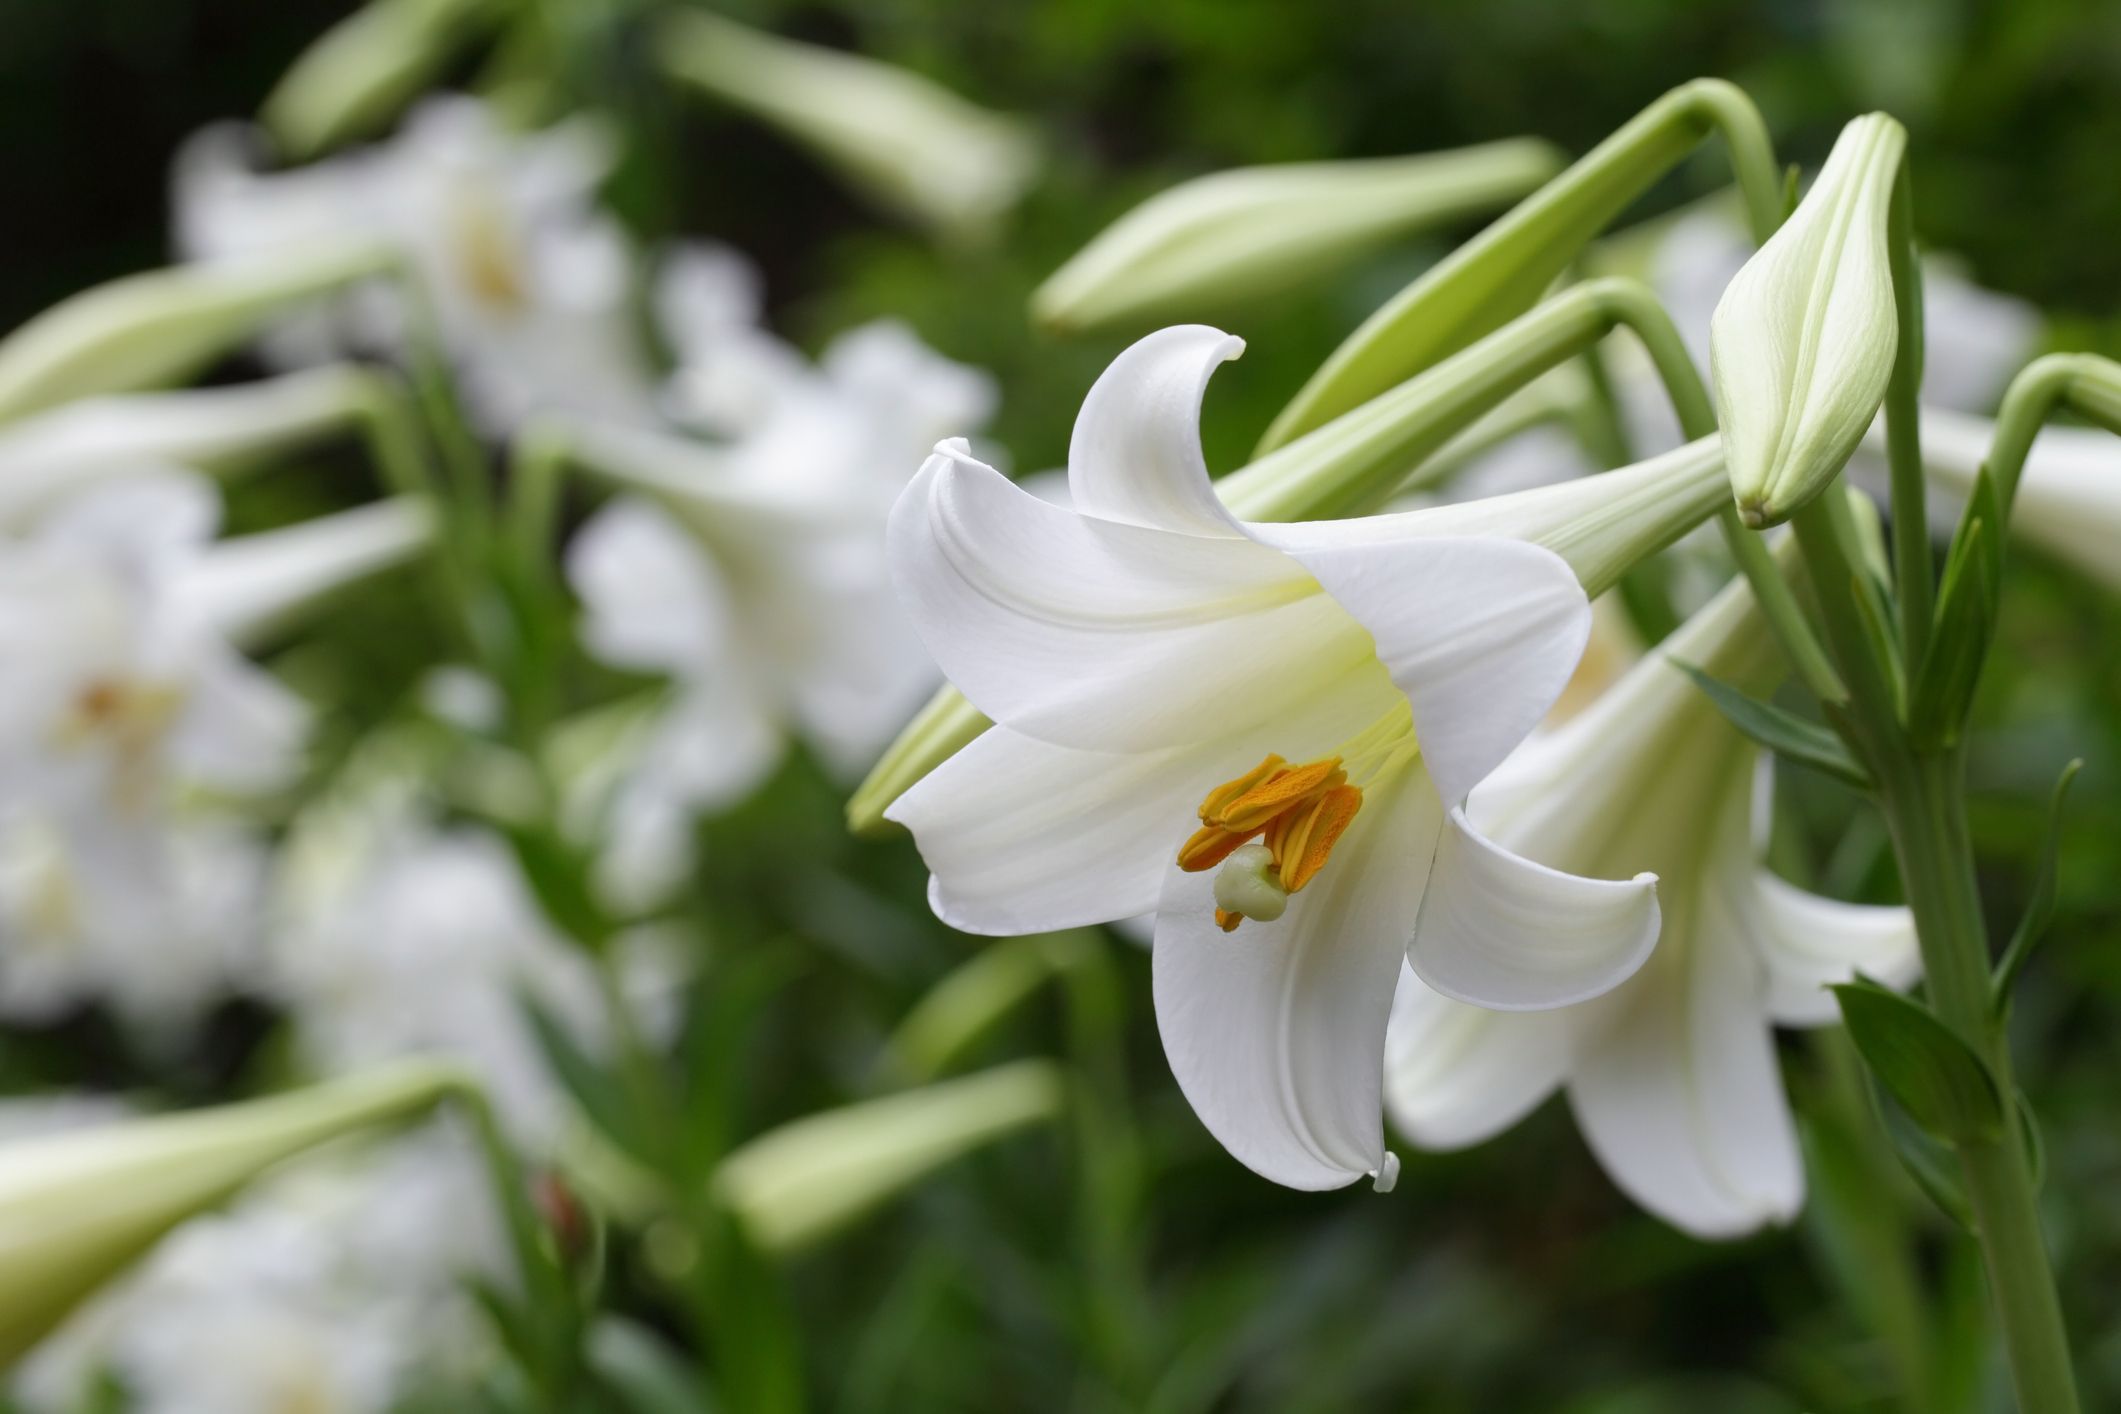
[(1135, 456), (1681, 1098), (1074, 629), (1481, 634), (654, 601), (1276, 1032), (1500, 931), (1456, 1074), (1808, 943), (1023, 836)]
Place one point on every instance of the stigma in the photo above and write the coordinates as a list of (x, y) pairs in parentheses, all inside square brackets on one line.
[(1295, 813)]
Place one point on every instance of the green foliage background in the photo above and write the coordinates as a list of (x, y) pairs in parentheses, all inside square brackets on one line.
[(1123, 1261)]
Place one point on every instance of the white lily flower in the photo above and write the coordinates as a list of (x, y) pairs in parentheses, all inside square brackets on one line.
[(122, 699), (1249, 727), (1803, 341), (1672, 1074), (527, 279), (753, 575), (911, 144)]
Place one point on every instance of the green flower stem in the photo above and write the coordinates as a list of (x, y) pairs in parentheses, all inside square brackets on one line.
[(1912, 565), (1505, 269), (2084, 383), (1360, 459), (1778, 605), (1924, 799), (1925, 807)]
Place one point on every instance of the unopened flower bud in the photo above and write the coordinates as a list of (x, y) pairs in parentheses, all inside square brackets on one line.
[(1803, 342)]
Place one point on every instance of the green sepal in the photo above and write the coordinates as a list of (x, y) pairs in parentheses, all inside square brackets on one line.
[(1934, 1074), (2040, 908), (1943, 688), (1782, 732)]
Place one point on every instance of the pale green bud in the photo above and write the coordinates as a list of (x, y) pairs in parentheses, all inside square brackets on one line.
[(1803, 341), (79, 1207), (366, 67), (966, 1005), (252, 586), (148, 330), (1235, 235), (912, 145), (796, 1184)]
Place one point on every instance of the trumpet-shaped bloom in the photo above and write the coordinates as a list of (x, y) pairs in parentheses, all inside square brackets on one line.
[(122, 697), (752, 574), (526, 278), (1802, 344), (1672, 1074), (1254, 731)]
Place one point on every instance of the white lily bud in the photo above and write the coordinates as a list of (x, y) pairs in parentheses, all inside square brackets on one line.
[(1252, 231), (367, 66), (1803, 341), (913, 145), (155, 328), (56, 453), (251, 586), (800, 1182), (77, 1208)]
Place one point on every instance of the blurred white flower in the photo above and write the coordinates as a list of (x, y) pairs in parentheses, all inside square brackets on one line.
[(1145, 646), (527, 279), (1672, 1074), (753, 574), (122, 700), (392, 938), (335, 1287)]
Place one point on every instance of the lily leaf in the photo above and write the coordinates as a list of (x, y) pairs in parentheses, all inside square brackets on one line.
[(1940, 1081), (1928, 1162), (1943, 687), (1784, 733), (2040, 908)]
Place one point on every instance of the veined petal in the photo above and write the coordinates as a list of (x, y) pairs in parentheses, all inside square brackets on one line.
[(1458, 1074), (1481, 634), (1022, 836), (1499, 931), (1276, 1032), (1104, 636), (1808, 943), (1026, 836), (1680, 1096), (1136, 456)]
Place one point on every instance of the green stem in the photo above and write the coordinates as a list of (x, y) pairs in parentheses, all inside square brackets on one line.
[(1778, 605), (1912, 566), (1925, 808)]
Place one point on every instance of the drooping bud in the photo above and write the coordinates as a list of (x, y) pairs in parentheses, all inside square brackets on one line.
[(1803, 342), (912, 145), (1239, 234), (366, 67), (794, 1185), (77, 1208), (148, 330)]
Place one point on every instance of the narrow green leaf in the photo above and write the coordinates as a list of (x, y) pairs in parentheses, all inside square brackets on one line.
[(2040, 908), (1784, 733), (1967, 602), (601, 1098), (2035, 1145), (1929, 1068)]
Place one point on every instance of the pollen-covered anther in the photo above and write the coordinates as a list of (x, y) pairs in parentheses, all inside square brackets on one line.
[(1296, 812)]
